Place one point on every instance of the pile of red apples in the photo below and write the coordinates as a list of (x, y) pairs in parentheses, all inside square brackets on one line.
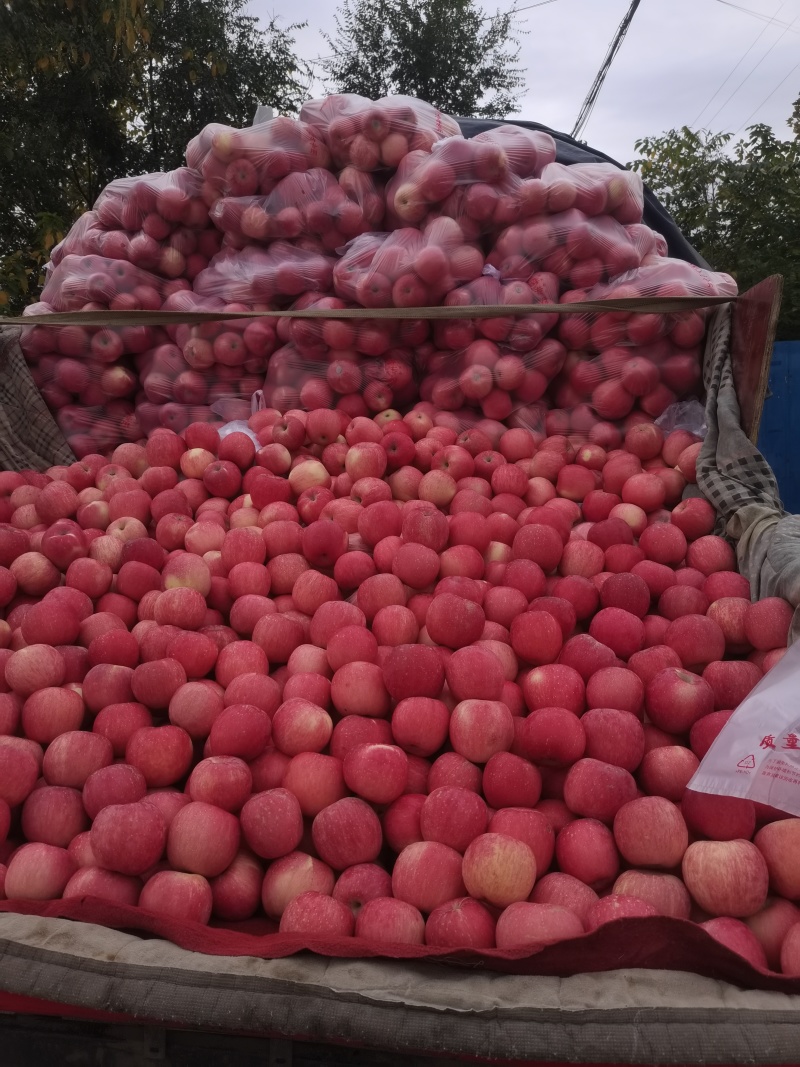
[(429, 654), (372, 677)]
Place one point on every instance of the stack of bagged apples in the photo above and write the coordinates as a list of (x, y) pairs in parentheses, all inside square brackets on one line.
[(363, 204), (429, 650)]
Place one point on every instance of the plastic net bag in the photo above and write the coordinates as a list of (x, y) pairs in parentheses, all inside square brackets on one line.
[(472, 181), (88, 374), (157, 203), (406, 268), (595, 189), (174, 393), (625, 367), (87, 378), (209, 369), (664, 278), (200, 345), (157, 222), (232, 162), (255, 275), (105, 283), (528, 151), (354, 385), (491, 378), (312, 203), (82, 240), (581, 251), (376, 134), (521, 333), (495, 365)]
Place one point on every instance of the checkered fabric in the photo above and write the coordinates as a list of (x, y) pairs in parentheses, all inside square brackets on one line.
[(29, 436), (740, 484)]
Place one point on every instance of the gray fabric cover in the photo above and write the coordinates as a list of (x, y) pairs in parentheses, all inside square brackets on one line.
[(642, 1017)]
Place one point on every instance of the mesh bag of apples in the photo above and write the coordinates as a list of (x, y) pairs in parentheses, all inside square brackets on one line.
[(422, 658)]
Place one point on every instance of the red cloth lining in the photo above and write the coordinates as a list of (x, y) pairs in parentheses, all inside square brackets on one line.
[(656, 943)]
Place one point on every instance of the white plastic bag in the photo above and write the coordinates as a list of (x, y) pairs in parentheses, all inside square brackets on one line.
[(684, 415), (238, 426), (757, 753)]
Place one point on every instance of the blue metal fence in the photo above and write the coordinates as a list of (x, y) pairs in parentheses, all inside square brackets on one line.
[(780, 423)]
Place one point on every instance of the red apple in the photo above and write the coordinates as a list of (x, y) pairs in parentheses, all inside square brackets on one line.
[(291, 875), (726, 877), (387, 920), (499, 869), (182, 896), (461, 923), (528, 925), (128, 838), (427, 874), (347, 832), (38, 871), (651, 832), (664, 892), (202, 839), (236, 893)]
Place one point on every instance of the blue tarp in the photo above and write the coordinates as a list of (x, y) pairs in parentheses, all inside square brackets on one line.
[(780, 424)]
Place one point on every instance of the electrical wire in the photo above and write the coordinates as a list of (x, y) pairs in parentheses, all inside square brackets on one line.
[(733, 70), (768, 98), (529, 7), (755, 14), (771, 48), (591, 98), (517, 10), (752, 72)]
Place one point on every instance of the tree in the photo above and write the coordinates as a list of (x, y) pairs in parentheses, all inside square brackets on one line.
[(92, 90), (447, 52), (209, 62), (738, 203), (62, 128)]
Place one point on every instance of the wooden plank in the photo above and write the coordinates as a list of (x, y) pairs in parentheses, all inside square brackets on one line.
[(755, 318)]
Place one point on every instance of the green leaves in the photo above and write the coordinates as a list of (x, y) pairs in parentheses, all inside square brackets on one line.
[(444, 51), (738, 203), (211, 62)]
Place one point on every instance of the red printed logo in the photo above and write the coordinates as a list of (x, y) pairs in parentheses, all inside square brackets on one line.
[(747, 764)]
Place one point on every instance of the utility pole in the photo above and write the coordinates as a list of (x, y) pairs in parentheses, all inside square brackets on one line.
[(591, 98)]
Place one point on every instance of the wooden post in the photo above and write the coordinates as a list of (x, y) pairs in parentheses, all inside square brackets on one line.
[(755, 318)]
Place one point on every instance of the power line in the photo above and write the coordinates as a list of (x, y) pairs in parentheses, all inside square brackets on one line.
[(758, 14), (530, 7), (772, 47), (735, 68), (768, 98), (516, 10), (591, 98)]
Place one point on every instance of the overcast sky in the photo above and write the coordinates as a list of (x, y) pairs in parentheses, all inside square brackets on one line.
[(677, 56)]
